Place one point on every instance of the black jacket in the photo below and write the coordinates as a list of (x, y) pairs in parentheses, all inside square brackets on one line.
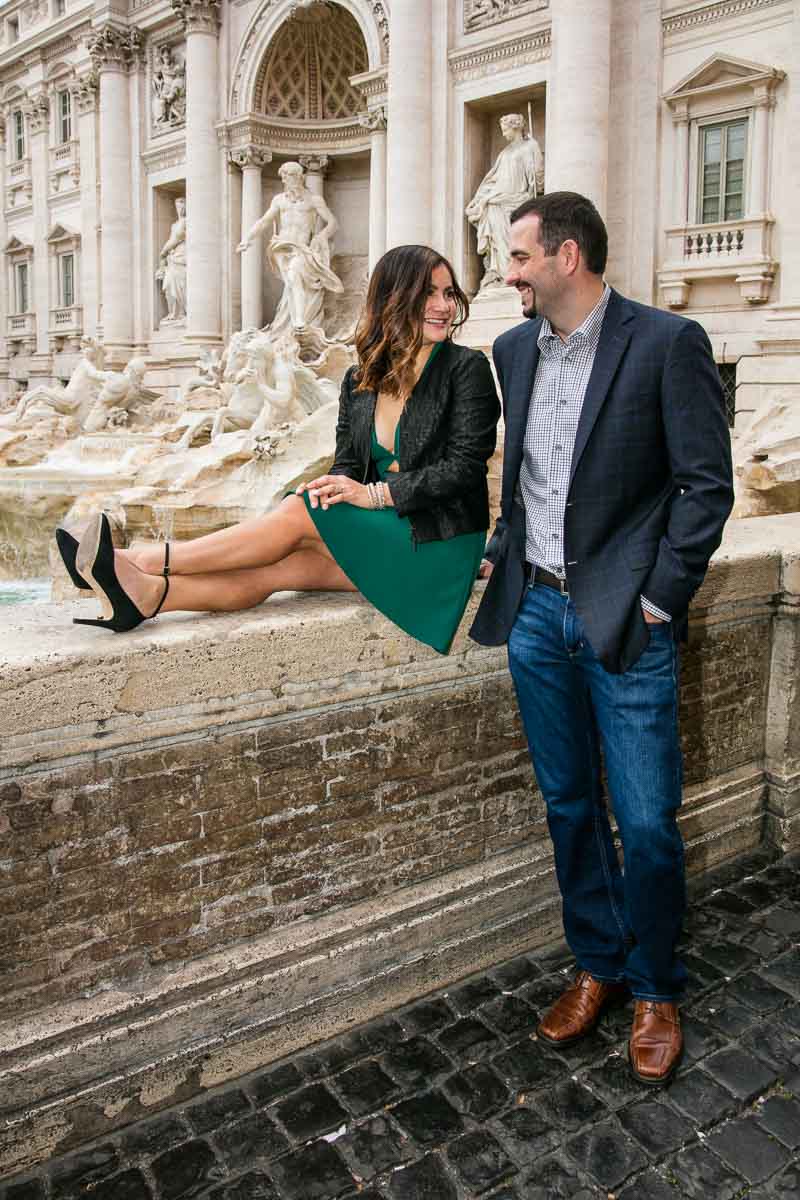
[(650, 485), (446, 435)]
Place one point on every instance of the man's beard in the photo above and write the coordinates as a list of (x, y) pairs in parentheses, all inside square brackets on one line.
[(529, 310)]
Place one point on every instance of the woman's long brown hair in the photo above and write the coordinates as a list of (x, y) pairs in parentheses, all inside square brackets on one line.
[(389, 334)]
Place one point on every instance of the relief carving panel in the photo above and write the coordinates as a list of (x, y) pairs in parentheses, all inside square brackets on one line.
[(478, 14)]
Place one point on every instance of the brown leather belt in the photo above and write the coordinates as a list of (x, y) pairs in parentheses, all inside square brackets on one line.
[(540, 575)]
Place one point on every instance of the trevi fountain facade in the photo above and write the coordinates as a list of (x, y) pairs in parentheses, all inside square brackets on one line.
[(194, 192)]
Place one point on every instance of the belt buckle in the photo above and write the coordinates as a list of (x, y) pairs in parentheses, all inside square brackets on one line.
[(563, 587)]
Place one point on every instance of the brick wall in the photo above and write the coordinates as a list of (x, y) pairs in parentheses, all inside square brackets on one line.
[(130, 860), (120, 863)]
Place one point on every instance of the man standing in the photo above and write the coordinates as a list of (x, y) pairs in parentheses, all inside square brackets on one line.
[(617, 482)]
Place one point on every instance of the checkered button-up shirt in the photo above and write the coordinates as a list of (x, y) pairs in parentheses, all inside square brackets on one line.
[(560, 385)]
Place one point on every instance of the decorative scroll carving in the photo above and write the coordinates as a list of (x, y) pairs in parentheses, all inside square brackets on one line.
[(375, 120), (198, 16), (250, 156), (39, 112), (85, 93), (112, 48), (316, 164), (478, 14)]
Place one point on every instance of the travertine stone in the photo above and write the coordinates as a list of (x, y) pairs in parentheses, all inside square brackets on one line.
[(409, 186), (578, 100), (225, 836)]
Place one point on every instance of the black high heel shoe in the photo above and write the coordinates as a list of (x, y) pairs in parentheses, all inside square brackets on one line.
[(95, 561), (68, 548)]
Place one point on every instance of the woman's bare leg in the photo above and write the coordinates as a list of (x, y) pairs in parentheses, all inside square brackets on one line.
[(232, 591), (257, 542)]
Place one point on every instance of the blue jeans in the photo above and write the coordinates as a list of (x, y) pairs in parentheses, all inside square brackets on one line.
[(618, 926)]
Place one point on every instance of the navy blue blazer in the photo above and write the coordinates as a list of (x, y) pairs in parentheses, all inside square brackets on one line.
[(651, 482)]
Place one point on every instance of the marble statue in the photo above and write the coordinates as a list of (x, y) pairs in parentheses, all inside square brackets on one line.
[(171, 272), (766, 458), (517, 175), (298, 251), (264, 386), (169, 90), (121, 391), (72, 401)]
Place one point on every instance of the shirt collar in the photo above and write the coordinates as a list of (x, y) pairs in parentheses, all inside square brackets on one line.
[(588, 331)]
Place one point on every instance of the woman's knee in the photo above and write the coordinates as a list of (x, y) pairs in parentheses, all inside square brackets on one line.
[(294, 510)]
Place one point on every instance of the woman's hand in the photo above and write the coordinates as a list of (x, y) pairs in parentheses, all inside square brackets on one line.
[(335, 489)]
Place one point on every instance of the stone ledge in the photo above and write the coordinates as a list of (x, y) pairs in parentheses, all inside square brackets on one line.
[(66, 690)]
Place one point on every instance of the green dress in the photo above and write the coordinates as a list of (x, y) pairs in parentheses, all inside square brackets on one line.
[(423, 588)]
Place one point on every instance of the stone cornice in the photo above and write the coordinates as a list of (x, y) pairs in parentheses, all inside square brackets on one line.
[(718, 11), (373, 85), (198, 16), (290, 137), (164, 157), (500, 56)]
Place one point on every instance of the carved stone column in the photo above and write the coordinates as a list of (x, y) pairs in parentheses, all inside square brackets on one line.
[(764, 102), (113, 52), (680, 179), (316, 167), (84, 100), (375, 122), (409, 178), (203, 182), (38, 124), (577, 134), (5, 306), (251, 159)]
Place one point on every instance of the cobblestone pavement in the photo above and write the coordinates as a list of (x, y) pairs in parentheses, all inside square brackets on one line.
[(453, 1097)]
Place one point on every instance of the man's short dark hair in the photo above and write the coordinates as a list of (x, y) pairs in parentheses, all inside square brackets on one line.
[(566, 216)]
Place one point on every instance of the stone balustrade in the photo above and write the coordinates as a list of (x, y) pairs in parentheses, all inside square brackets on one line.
[(225, 837), (66, 321), (740, 251)]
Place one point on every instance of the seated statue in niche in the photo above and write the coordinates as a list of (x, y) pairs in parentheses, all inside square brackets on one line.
[(171, 273), (516, 176), (298, 251), (169, 88)]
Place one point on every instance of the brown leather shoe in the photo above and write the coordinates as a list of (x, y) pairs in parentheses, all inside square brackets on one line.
[(578, 1009), (656, 1043)]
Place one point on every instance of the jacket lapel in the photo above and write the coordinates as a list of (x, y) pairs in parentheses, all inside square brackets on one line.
[(614, 337), (362, 416), (523, 372)]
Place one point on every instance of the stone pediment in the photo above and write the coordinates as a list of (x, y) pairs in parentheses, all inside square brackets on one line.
[(63, 233), (15, 246), (722, 72)]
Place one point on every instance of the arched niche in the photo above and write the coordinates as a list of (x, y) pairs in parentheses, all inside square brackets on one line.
[(370, 17)]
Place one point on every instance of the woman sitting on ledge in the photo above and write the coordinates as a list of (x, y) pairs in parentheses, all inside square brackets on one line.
[(402, 515)]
